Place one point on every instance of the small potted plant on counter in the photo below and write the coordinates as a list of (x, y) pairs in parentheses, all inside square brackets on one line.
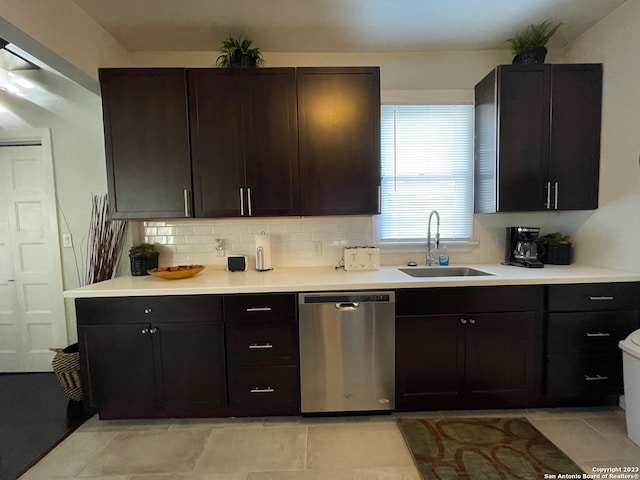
[(237, 52), (556, 248), (528, 46), (143, 257)]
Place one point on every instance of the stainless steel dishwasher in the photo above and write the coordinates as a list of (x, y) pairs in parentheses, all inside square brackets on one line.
[(347, 351)]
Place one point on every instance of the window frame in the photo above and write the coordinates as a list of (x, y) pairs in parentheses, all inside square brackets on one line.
[(426, 97)]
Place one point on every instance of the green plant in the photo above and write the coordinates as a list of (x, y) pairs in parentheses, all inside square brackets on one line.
[(237, 52), (556, 237), (142, 249), (534, 36)]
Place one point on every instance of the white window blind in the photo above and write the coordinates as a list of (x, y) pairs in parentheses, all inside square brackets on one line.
[(427, 164)]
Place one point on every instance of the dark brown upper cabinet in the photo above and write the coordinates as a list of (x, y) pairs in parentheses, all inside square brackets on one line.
[(207, 142), (339, 140), (537, 143), (147, 142), (244, 141)]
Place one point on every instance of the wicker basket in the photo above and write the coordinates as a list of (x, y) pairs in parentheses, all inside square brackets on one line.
[(66, 366)]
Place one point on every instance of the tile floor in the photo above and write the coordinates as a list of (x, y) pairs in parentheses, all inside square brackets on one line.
[(336, 448)]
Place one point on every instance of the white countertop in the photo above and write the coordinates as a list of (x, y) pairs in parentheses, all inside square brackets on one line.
[(303, 279)]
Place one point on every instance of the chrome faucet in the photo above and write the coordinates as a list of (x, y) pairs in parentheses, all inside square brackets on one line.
[(431, 259)]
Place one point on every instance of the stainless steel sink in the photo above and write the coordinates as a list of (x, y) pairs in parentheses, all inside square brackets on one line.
[(444, 272)]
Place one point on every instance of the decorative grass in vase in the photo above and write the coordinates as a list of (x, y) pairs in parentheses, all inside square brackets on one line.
[(106, 237)]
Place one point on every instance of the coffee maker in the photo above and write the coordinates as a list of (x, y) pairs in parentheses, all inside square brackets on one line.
[(521, 247)]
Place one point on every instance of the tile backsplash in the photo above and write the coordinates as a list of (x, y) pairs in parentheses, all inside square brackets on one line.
[(302, 241)]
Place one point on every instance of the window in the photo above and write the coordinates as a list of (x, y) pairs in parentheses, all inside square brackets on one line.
[(427, 164)]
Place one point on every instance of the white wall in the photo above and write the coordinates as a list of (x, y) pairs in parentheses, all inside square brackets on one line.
[(609, 237)]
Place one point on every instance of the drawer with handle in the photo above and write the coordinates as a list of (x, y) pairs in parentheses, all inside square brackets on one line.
[(151, 309), (581, 332), (258, 344), (260, 307), (573, 376), (593, 296), (264, 390)]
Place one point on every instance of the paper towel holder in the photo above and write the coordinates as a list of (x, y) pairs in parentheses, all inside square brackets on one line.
[(263, 252)]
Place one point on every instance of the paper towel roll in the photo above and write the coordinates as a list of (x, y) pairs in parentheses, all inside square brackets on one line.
[(263, 252)]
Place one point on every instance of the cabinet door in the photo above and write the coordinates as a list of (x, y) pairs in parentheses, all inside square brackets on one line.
[(147, 142), (118, 370), (192, 366), (216, 142), (499, 356), (523, 137), (429, 361), (270, 139), (339, 140), (575, 135)]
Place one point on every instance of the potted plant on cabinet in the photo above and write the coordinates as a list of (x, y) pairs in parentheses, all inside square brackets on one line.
[(556, 248), (237, 52), (528, 46), (143, 257)]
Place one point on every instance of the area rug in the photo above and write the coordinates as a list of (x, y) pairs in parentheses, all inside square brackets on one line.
[(482, 448)]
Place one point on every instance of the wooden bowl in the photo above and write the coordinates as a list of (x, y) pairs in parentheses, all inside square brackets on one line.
[(176, 272)]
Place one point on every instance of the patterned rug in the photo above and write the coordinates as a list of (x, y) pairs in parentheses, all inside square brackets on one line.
[(482, 448)]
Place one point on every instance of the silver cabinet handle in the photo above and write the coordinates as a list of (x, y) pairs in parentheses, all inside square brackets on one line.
[(186, 203), (262, 390), (249, 200), (463, 320), (555, 201), (148, 311), (153, 330), (242, 201), (255, 346), (472, 321), (548, 204), (597, 378), (259, 309), (144, 331), (597, 334), (598, 298)]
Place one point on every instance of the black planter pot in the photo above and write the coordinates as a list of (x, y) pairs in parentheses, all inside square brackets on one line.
[(140, 263), (243, 61), (532, 55)]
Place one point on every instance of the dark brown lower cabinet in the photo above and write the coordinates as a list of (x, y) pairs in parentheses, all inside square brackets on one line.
[(189, 355), (152, 356), (583, 325), (488, 356), (151, 370), (262, 354)]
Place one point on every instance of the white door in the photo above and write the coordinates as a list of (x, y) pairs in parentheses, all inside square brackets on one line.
[(32, 315)]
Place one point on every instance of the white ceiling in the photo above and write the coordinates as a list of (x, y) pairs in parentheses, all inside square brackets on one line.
[(339, 25)]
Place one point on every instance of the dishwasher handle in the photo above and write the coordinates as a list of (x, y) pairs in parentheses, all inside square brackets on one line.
[(347, 306)]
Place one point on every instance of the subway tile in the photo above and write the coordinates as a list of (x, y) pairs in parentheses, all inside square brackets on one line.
[(194, 239), (203, 229), (165, 231), (184, 230)]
